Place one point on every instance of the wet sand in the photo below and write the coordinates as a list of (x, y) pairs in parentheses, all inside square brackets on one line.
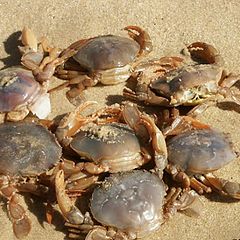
[(171, 25)]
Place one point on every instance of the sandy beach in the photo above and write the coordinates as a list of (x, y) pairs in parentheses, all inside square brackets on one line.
[(171, 25)]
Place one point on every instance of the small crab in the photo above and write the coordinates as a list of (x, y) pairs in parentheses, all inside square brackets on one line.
[(23, 89), (128, 205), (108, 59), (29, 158), (195, 153), (173, 83)]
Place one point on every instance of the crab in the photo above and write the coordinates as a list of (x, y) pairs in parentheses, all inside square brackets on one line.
[(194, 152), (23, 89), (107, 59), (109, 145), (30, 156), (129, 205), (172, 82)]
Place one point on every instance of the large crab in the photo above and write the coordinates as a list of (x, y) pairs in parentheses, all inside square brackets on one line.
[(108, 59), (24, 89), (171, 82), (195, 152), (29, 158), (128, 205)]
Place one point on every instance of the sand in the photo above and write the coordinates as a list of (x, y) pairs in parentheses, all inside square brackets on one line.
[(171, 25)]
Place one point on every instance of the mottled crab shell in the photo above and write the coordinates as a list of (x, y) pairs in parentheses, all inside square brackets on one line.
[(188, 85), (113, 144), (107, 52), (17, 87), (27, 149), (130, 201), (200, 151)]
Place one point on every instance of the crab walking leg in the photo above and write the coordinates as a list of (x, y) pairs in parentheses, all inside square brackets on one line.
[(221, 185), (73, 49), (79, 176), (70, 212), (73, 121), (21, 222), (45, 72), (187, 201), (183, 123), (178, 176)]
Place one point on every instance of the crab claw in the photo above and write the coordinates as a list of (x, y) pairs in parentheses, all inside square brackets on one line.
[(69, 125), (70, 212), (29, 39), (141, 37), (223, 186), (143, 124), (205, 53), (31, 55)]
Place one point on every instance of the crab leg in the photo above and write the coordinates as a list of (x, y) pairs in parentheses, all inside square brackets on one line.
[(178, 176), (158, 67), (183, 200), (222, 186), (73, 49), (199, 187), (33, 58), (70, 212), (73, 121), (183, 123), (21, 222)]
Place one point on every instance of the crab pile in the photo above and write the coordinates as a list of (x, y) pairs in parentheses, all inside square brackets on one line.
[(134, 169)]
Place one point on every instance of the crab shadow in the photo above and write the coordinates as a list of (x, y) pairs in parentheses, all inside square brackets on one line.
[(214, 197), (38, 208), (117, 98), (10, 46), (229, 106), (3, 204)]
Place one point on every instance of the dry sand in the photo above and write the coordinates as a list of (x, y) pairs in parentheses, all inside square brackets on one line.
[(171, 24)]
